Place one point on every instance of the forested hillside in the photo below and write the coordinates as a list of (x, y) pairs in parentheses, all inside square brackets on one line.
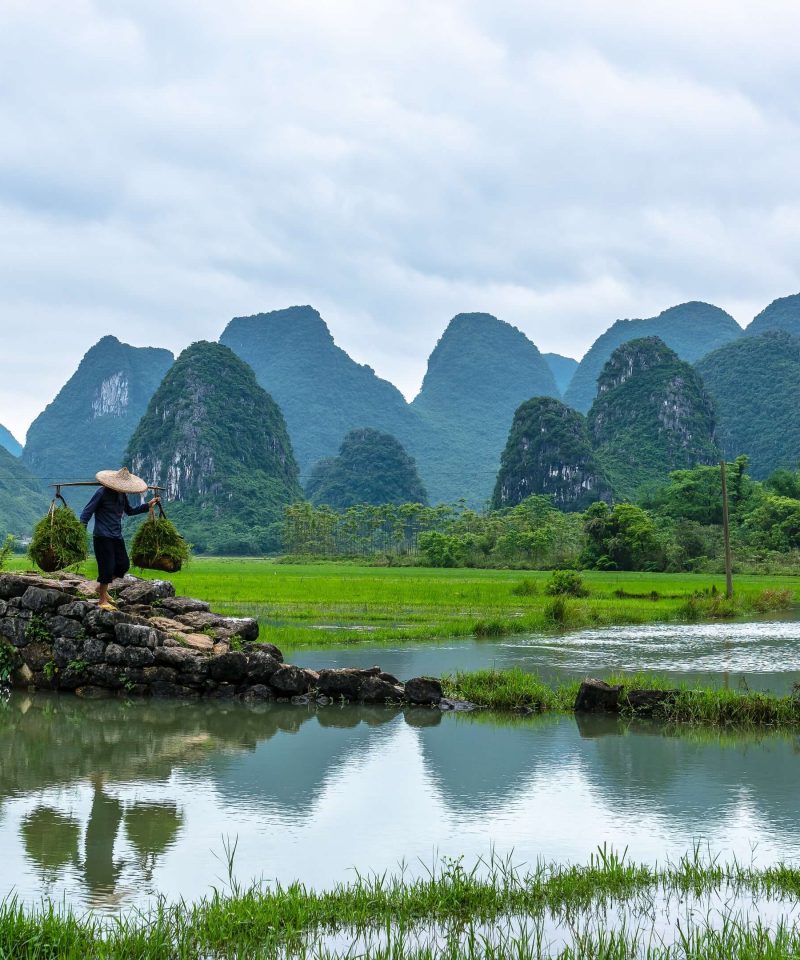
[(9, 442), (322, 392), (88, 425), (755, 383), (371, 467), (23, 499), (480, 371), (652, 415), (781, 314), (690, 329), (218, 443), (562, 368), (549, 453)]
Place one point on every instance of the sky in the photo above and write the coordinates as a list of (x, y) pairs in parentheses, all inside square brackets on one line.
[(166, 165)]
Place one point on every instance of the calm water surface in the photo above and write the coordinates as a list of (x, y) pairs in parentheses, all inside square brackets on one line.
[(106, 804), (760, 656)]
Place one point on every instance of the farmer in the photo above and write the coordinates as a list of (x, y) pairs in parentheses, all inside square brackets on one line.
[(108, 506)]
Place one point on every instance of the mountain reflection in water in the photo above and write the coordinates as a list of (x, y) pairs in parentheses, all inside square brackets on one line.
[(109, 803)]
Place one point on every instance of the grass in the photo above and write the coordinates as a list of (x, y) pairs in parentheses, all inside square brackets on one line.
[(514, 689), (466, 908), (322, 604)]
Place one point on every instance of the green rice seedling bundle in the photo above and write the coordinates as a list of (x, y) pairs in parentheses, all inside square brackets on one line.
[(59, 540), (158, 545)]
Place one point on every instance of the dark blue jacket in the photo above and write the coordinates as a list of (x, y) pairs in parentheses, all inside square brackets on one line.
[(109, 507)]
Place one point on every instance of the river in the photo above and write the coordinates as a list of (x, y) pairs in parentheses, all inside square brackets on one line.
[(107, 804)]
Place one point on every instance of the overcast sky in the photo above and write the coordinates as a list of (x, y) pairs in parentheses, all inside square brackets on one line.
[(166, 165)]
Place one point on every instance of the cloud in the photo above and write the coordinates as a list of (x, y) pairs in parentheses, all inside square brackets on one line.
[(165, 166)]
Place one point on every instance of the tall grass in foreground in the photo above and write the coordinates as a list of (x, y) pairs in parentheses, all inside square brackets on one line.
[(294, 921)]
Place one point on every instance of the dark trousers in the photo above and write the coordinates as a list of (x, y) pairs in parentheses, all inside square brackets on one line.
[(112, 558)]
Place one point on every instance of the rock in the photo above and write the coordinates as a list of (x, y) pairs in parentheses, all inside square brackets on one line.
[(260, 647), (104, 621), (76, 610), (94, 650), (246, 628), (646, 702), (184, 605), (168, 625), (115, 653), (229, 668), (257, 693), (65, 650), (135, 635), (15, 585), (225, 691), (71, 678), (390, 678), (14, 629), (344, 682), (197, 641), (457, 706), (425, 690), (178, 657), (106, 675), (37, 655), (260, 667), (137, 657), (291, 681), (375, 690), (39, 600), (65, 627), (22, 676), (154, 674), (147, 591), (222, 646), (597, 696), (200, 620)]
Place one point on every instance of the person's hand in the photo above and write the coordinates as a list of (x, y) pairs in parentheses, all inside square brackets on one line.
[(155, 501)]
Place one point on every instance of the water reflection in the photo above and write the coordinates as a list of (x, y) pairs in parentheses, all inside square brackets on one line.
[(109, 803)]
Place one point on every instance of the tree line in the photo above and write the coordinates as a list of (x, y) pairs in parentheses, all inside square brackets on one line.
[(676, 526)]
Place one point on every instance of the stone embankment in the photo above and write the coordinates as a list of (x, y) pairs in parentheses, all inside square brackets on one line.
[(54, 636)]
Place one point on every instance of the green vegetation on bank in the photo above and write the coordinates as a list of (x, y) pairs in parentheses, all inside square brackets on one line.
[(491, 910), (330, 604), (515, 689)]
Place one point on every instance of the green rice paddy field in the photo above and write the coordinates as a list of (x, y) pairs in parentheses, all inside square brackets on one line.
[(313, 605)]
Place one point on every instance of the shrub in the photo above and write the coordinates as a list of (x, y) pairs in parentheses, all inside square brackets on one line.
[(525, 588), (566, 583), (59, 540)]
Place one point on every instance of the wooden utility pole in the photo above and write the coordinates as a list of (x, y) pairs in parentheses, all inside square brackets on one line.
[(726, 531)]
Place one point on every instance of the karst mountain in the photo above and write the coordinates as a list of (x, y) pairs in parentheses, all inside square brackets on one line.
[(217, 442), (755, 383), (549, 453), (88, 425), (372, 467), (9, 442), (652, 415), (690, 329)]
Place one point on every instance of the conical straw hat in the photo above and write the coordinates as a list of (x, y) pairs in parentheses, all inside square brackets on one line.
[(123, 481)]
